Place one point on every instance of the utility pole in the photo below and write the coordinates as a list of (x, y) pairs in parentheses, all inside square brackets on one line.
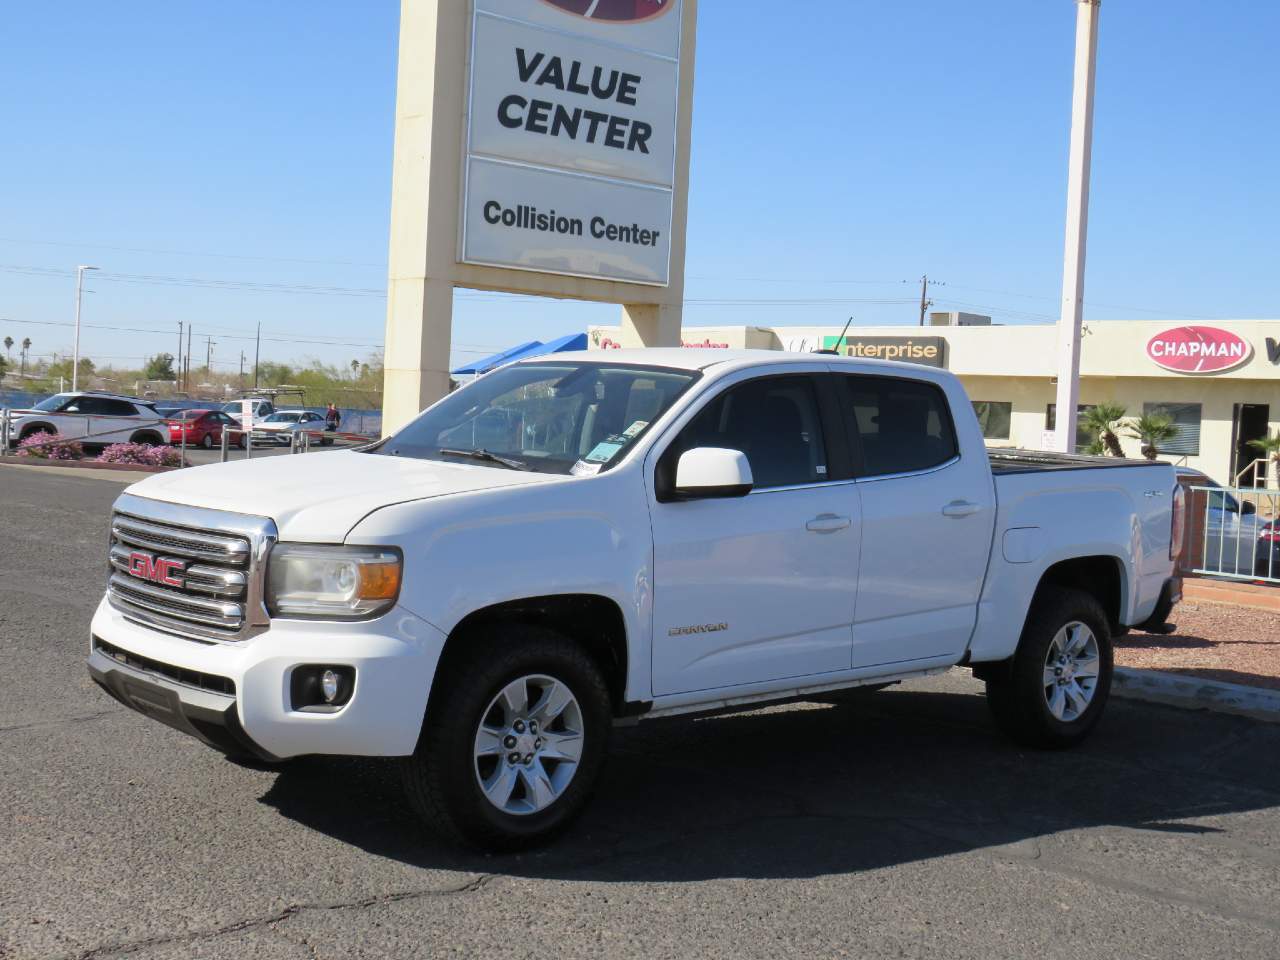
[(75, 360), (186, 375), (925, 302), (178, 355), (241, 380), (257, 344), (1069, 324), (208, 358)]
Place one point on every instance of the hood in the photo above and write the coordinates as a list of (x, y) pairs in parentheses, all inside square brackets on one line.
[(319, 497)]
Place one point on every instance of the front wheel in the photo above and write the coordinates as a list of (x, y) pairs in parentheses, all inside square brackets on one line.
[(514, 738), (207, 441), (1055, 688)]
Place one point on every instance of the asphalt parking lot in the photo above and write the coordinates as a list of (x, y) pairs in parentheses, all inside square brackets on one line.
[(902, 826)]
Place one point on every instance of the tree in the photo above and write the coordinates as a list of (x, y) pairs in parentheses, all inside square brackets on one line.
[(4, 366), (1152, 429), (8, 345), (1269, 447), (355, 369), (1101, 420), (159, 367), (26, 345)]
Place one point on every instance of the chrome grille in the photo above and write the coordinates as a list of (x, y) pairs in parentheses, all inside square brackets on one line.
[(217, 592)]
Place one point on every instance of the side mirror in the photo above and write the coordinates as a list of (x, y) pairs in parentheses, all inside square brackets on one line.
[(708, 472), (1247, 508)]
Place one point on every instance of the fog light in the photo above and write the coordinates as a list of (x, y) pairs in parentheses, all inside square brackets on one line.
[(330, 684)]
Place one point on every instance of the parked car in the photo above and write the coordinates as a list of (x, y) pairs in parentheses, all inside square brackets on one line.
[(280, 427), (204, 428), (642, 534), (96, 419), (1228, 536), (261, 409)]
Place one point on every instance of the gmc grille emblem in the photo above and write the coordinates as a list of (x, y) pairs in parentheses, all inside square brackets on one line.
[(145, 566)]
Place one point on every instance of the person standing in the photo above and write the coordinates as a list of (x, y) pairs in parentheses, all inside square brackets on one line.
[(332, 418)]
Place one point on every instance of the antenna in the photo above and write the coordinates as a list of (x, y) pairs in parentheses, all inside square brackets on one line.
[(839, 340)]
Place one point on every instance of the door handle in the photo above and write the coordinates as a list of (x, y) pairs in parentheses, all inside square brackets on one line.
[(960, 508), (827, 523)]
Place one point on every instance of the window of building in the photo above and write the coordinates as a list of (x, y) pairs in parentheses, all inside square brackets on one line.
[(773, 420), (1083, 437), (903, 425), (994, 416), (1186, 417)]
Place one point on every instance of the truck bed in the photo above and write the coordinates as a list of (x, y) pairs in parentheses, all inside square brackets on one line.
[(1012, 460)]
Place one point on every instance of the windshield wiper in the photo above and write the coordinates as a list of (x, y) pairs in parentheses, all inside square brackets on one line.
[(485, 455)]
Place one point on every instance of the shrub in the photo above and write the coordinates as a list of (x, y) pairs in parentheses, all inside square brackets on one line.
[(50, 446), (142, 454)]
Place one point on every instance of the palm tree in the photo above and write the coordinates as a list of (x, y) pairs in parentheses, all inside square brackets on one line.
[(1101, 420), (8, 345), (1152, 429), (1269, 447), (26, 345), (355, 369)]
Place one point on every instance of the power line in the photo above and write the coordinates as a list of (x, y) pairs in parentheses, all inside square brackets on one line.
[(193, 253)]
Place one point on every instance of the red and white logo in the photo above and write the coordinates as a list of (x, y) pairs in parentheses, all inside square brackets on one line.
[(614, 11), (1198, 349), (145, 566)]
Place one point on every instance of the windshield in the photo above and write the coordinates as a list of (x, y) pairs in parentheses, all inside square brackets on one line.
[(571, 417), (283, 418), (52, 404)]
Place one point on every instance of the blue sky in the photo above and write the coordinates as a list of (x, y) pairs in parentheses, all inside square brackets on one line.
[(838, 150)]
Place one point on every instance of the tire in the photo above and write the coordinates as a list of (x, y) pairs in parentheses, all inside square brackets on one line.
[(148, 438), (443, 777), (240, 442), (1033, 712), (31, 428), (207, 441)]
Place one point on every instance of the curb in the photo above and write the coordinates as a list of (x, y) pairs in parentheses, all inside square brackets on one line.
[(1177, 690), (40, 462)]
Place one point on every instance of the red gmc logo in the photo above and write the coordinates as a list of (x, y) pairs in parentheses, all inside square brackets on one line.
[(144, 566)]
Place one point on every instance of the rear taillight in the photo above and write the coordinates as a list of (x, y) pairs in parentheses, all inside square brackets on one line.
[(1179, 523)]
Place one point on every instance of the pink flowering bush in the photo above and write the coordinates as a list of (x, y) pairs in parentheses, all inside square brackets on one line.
[(142, 454), (49, 446)]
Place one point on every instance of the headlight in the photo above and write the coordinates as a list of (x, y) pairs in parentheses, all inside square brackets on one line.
[(337, 583)]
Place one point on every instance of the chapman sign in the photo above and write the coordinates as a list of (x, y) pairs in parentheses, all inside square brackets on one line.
[(571, 137), (1198, 349)]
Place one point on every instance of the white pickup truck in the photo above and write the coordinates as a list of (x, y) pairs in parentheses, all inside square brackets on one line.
[(575, 542)]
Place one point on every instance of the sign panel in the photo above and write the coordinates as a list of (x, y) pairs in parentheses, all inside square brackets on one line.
[(573, 109), (930, 351), (246, 414), (1197, 349)]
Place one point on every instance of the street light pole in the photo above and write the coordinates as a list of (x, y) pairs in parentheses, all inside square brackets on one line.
[(75, 360), (1069, 324)]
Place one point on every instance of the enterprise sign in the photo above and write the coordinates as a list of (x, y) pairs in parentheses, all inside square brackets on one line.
[(571, 137), (930, 351)]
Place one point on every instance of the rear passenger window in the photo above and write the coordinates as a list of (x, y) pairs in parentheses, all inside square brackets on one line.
[(902, 425), (773, 420)]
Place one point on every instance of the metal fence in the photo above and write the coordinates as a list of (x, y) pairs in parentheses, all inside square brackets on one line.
[(1233, 532)]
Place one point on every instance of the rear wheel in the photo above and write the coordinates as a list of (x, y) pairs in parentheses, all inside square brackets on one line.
[(513, 740), (207, 441), (1055, 688), (148, 438)]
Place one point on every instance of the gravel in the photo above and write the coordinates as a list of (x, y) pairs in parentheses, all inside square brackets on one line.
[(1215, 641)]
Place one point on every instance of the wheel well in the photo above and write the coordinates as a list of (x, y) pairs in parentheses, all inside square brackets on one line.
[(31, 428), (1099, 576), (591, 620), (146, 436)]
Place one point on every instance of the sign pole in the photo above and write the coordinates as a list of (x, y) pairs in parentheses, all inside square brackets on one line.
[(1069, 325)]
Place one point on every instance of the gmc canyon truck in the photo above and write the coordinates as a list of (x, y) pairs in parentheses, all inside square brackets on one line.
[(571, 543)]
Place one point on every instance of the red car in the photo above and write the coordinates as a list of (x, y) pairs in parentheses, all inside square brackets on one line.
[(204, 428)]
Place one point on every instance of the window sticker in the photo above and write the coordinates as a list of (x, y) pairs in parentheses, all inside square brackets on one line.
[(584, 469), (604, 451), (635, 428)]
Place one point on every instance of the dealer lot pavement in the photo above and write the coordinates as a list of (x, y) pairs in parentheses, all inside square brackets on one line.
[(901, 826)]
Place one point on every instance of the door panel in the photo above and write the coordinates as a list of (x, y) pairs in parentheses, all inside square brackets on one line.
[(927, 519), (761, 587)]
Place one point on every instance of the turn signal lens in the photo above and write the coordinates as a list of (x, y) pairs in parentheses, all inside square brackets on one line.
[(332, 582)]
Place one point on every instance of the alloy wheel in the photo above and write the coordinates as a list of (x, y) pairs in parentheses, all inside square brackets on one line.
[(1071, 671)]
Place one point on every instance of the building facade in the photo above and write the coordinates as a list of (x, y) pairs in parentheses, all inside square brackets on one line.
[(1219, 381)]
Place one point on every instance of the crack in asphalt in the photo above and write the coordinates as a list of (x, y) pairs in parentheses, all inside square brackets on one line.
[(282, 916), (53, 723)]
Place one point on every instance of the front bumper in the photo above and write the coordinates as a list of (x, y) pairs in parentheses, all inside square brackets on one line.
[(236, 695)]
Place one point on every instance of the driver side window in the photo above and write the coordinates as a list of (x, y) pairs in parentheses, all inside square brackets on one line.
[(774, 421)]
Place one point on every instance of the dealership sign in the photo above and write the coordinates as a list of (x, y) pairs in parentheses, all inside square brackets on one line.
[(930, 351), (571, 137), (1198, 349)]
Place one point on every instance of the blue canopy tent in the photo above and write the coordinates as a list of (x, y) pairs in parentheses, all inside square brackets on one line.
[(534, 348), (477, 367)]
